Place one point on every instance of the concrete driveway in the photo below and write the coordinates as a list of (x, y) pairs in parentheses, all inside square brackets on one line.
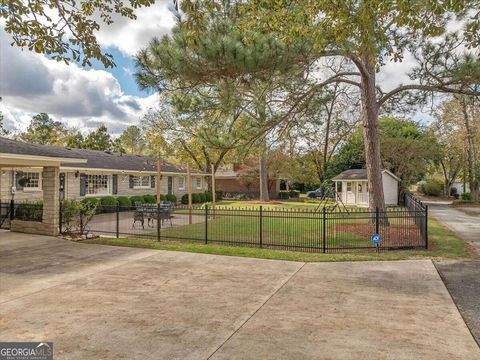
[(462, 276), (99, 302)]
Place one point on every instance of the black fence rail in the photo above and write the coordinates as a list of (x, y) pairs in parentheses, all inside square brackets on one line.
[(16, 210), (283, 229)]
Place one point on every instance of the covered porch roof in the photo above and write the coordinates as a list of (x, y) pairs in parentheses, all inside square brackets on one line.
[(18, 154)]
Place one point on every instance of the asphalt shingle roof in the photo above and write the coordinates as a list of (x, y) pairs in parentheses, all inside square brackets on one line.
[(95, 159), (352, 174)]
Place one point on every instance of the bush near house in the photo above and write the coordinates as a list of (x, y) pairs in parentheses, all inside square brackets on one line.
[(108, 201), (208, 196), (432, 187), (136, 199), (171, 197), (124, 202), (149, 199), (466, 196), (77, 214)]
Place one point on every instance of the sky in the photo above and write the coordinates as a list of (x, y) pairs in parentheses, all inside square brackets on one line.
[(86, 97)]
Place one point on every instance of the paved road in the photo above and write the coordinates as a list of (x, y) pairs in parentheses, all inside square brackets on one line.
[(462, 277), (96, 301)]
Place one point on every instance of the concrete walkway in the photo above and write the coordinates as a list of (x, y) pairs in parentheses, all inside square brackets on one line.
[(104, 302), (462, 277)]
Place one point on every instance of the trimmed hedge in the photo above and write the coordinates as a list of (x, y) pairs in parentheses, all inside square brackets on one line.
[(184, 199), (149, 199), (136, 199), (171, 197), (108, 201), (124, 201)]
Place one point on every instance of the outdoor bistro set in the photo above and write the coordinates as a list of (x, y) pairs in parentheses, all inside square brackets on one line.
[(152, 213)]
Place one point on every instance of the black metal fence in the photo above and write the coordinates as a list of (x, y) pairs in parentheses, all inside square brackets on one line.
[(15, 210), (284, 229)]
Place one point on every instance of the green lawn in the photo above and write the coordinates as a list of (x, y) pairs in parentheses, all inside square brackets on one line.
[(443, 244)]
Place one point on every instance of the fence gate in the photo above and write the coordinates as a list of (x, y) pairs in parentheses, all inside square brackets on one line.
[(5, 209)]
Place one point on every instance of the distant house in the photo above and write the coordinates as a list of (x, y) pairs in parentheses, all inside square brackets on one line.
[(102, 173), (351, 187), (239, 180)]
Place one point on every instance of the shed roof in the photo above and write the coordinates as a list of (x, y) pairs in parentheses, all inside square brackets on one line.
[(359, 174)]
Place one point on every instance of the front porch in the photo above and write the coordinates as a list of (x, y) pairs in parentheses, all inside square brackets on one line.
[(352, 192), (22, 155)]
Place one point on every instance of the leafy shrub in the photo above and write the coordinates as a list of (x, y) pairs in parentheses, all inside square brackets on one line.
[(284, 195), (172, 198), (466, 196), (196, 198), (108, 201), (29, 211), (149, 199), (453, 191), (136, 199), (201, 197), (124, 202), (77, 214), (219, 194), (432, 187), (184, 199), (208, 196), (295, 194)]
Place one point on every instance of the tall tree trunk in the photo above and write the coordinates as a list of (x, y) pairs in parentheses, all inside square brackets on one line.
[(264, 195), (371, 137), (471, 154)]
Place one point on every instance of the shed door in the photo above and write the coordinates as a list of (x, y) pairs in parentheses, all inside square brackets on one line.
[(350, 193)]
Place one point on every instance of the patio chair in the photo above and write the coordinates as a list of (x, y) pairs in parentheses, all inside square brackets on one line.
[(139, 215)]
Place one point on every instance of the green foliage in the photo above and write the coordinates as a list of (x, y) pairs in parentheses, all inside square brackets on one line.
[(149, 199), (29, 211), (43, 130), (196, 198), (108, 201), (294, 194), (99, 139), (432, 187), (65, 30), (208, 196), (77, 214), (201, 197), (124, 202), (90, 202), (219, 194), (136, 199), (466, 196), (284, 195), (131, 141), (172, 198), (185, 199)]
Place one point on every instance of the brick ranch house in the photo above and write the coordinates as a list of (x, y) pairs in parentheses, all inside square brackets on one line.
[(229, 179), (37, 172)]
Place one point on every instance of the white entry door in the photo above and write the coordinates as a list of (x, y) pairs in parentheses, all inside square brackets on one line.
[(350, 193)]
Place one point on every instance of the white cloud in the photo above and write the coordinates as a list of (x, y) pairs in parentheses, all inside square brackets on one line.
[(81, 98), (131, 36)]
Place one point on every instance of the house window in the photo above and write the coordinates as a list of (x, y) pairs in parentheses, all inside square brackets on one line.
[(97, 185), (349, 186), (141, 182), (198, 182), (360, 188), (181, 183), (339, 186), (32, 181)]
